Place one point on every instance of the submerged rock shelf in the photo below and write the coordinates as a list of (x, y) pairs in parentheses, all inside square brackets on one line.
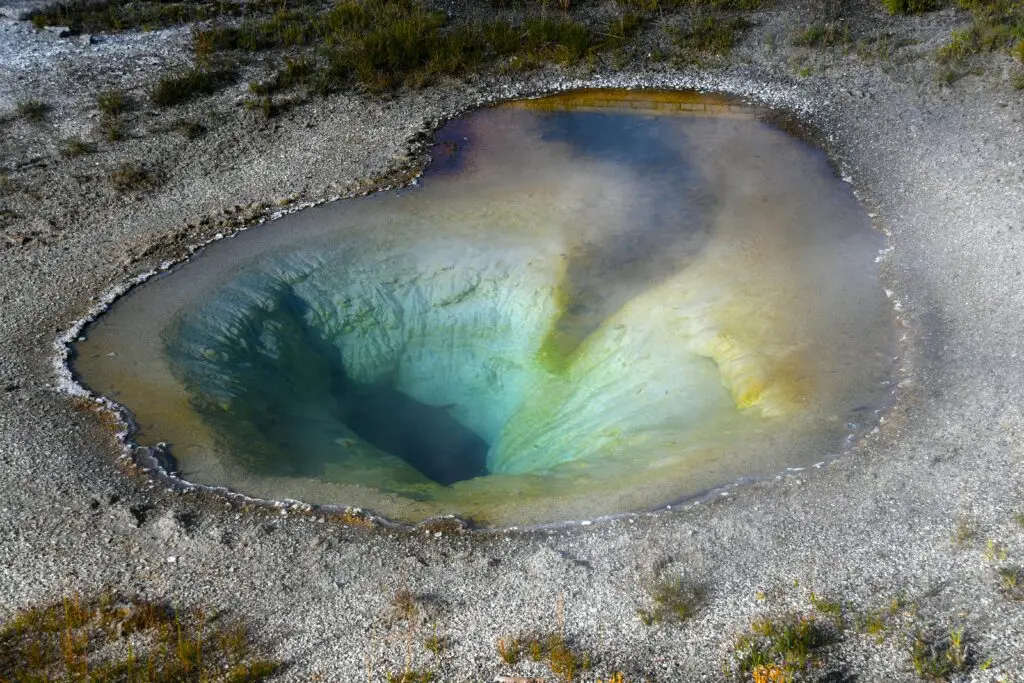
[(587, 307)]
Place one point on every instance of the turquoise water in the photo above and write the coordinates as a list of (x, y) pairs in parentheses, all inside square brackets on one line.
[(585, 307)]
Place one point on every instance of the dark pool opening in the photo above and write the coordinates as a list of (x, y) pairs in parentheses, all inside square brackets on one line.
[(426, 437)]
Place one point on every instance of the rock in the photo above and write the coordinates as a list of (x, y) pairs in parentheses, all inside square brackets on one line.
[(59, 31), (86, 39)]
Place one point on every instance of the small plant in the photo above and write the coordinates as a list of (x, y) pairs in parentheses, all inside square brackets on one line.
[(177, 89), (909, 6), (775, 649), (937, 659), (823, 35), (674, 601), (833, 609), (711, 34), (508, 650), (191, 129), (1011, 582), (112, 103), (404, 604), (76, 147), (411, 677), (563, 660), (32, 110), (964, 532), (131, 176), (111, 129), (995, 551), (436, 644)]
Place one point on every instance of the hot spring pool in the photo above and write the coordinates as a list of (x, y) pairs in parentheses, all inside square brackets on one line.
[(592, 303)]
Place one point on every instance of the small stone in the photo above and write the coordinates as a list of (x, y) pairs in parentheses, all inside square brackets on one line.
[(59, 31), (172, 559)]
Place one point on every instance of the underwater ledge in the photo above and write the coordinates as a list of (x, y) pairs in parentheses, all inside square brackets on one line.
[(146, 456)]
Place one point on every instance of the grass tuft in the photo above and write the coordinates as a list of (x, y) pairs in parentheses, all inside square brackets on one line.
[(112, 103), (179, 88), (711, 34), (673, 601), (777, 649), (996, 25), (823, 35), (32, 110), (1011, 582), (910, 6), (936, 659), (131, 176), (76, 147)]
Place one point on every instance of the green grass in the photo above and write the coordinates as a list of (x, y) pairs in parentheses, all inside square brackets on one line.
[(118, 15), (776, 649), (179, 88), (190, 128), (114, 638), (711, 34), (995, 25), (131, 176), (112, 103), (34, 111), (964, 533), (76, 147), (936, 659), (673, 601), (823, 35), (412, 676), (910, 6), (1011, 582)]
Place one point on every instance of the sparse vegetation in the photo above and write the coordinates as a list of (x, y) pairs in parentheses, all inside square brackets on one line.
[(102, 16), (936, 659), (411, 677), (508, 650), (833, 609), (176, 89), (112, 103), (909, 6), (878, 623), (674, 600), (823, 35), (1011, 582), (564, 660), (996, 25), (113, 638), (76, 147), (995, 551), (131, 176), (964, 532), (435, 643), (32, 110), (190, 128), (776, 649), (711, 34)]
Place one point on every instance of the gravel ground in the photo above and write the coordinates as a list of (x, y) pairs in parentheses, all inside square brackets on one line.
[(923, 510)]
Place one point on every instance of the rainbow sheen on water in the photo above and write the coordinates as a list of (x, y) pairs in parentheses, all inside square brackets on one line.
[(593, 303)]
